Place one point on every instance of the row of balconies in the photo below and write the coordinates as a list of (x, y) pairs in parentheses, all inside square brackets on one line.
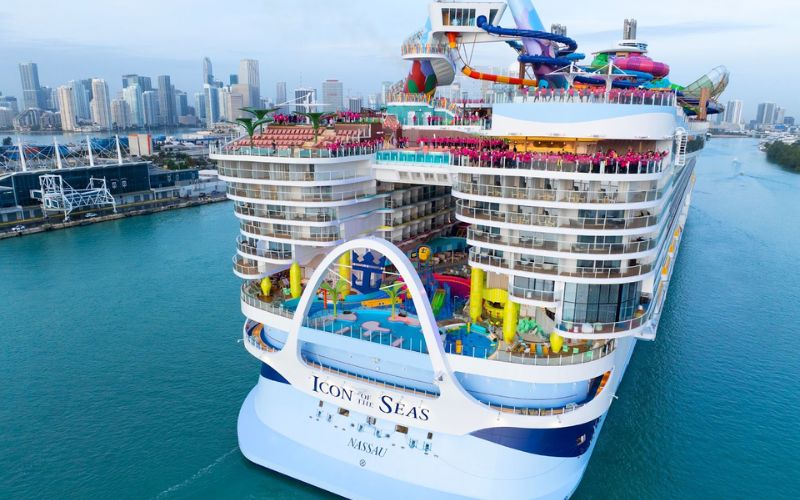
[(276, 231), (575, 195), (285, 213), (560, 245), (303, 173), (560, 267), (311, 194)]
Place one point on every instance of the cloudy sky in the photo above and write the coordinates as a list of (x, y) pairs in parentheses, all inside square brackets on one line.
[(357, 41)]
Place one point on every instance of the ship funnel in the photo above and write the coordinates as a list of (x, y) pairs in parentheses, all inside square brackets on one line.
[(629, 29)]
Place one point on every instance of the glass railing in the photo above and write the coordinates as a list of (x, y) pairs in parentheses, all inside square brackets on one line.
[(642, 317), (555, 269), (554, 164), (245, 267), (523, 219), (282, 215), (413, 157), (527, 293), (424, 48), (251, 296), (236, 150), (247, 247), (534, 243), (558, 195), (291, 234), (258, 192), (232, 170), (614, 96)]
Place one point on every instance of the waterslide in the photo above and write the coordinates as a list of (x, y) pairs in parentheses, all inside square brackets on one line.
[(459, 286), (438, 301)]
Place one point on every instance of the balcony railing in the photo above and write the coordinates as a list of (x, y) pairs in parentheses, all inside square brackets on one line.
[(245, 267), (247, 247), (642, 318), (614, 96), (286, 176), (291, 234), (251, 296), (232, 150), (527, 293), (562, 246), (558, 270), (559, 195), (287, 215), (317, 196), (424, 48), (555, 221)]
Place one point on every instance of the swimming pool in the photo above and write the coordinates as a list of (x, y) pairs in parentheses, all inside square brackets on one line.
[(373, 325)]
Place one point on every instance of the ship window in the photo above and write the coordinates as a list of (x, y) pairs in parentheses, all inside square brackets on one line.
[(344, 412), (600, 303), (402, 429), (492, 15), (370, 420), (430, 435)]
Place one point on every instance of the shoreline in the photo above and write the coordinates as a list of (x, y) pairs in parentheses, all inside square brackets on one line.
[(43, 226)]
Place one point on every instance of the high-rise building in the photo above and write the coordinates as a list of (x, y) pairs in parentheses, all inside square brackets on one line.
[(6, 118), (66, 105), (212, 104), (166, 101), (766, 113), (780, 114), (32, 96), (181, 103), (280, 97), (208, 71), (50, 98), (233, 102), (144, 82), (733, 112), (303, 97), (9, 102), (100, 105), (385, 88), (332, 95), (120, 114), (200, 105), (249, 75), (82, 90), (151, 110), (132, 95), (354, 104), (243, 90), (233, 79)]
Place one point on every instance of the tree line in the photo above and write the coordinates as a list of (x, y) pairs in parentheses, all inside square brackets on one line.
[(786, 155)]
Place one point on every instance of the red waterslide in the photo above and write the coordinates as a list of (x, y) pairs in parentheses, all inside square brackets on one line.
[(458, 286)]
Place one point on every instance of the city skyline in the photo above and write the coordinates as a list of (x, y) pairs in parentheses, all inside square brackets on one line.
[(368, 48)]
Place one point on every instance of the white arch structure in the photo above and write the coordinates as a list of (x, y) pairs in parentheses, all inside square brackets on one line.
[(454, 411)]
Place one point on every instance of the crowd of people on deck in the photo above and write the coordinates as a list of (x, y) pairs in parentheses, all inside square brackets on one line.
[(609, 161), (341, 148), (598, 94), (463, 142)]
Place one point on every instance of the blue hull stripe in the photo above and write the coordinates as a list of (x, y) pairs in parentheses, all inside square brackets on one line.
[(271, 373), (565, 442)]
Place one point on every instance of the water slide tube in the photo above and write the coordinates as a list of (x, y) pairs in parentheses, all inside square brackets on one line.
[(458, 286), (438, 301)]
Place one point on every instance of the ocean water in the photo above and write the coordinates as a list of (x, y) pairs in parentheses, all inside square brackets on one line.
[(121, 371)]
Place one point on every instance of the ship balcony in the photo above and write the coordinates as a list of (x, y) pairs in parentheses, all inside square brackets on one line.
[(547, 270), (256, 193), (526, 221), (573, 196), (614, 96), (245, 268), (612, 330), (414, 50), (301, 235), (252, 295), (543, 298), (618, 250), (234, 151), (284, 214), (237, 171), (247, 249)]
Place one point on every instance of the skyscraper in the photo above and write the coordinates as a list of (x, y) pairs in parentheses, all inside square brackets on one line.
[(151, 110), (355, 104), (166, 101), (304, 96), (181, 103), (10, 102), (766, 113), (120, 114), (144, 82), (132, 94), (101, 107), (249, 74), (233, 79), (332, 95), (66, 102), (212, 104), (82, 90), (200, 105), (208, 71), (280, 96), (780, 114), (31, 90), (733, 112)]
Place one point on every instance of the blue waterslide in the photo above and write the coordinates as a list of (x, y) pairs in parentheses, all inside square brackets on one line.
[(564, 57)]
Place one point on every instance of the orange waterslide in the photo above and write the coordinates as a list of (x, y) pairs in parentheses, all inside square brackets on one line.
[(477, 75)]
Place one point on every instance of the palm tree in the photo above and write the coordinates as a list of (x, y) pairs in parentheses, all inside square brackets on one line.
[(262, 115), (316, 119), (393, 291), (249, 125), (335, 292)]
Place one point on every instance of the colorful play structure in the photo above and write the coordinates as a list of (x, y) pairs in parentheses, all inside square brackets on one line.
[(552, 59)]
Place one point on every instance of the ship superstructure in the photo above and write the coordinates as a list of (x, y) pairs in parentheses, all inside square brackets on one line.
[(444, 296)]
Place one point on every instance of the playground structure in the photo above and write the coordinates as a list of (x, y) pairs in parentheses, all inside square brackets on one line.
[(58, 196), (546, 59)]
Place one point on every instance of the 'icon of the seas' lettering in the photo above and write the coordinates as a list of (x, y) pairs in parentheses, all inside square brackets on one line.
[(390, 407)]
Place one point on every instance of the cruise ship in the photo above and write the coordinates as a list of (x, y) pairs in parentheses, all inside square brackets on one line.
[(444, 294)]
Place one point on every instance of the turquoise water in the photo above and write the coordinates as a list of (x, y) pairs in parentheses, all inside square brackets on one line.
[(122, 371)]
